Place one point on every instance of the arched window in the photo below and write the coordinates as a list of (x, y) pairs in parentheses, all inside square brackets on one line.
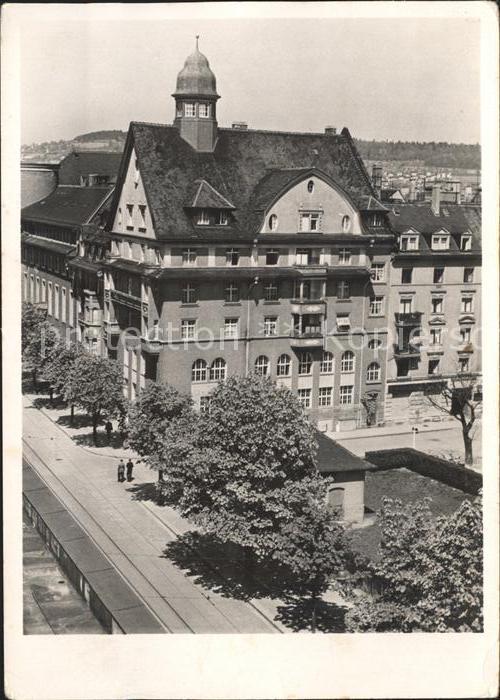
[(283, 366), (374, 343), (262, 365), (199, 371), (326, 366), (347, 362), (218, 369), (310, 186), (346, 223), (305, 363), (336, 500), (373, 372), (273, 222)]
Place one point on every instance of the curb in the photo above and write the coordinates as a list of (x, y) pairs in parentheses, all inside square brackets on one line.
[(429, 429)]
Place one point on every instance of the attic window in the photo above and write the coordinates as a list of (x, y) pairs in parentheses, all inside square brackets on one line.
[(376, 220), (346, 223), (466, 242), (310, 186), (223, 220), (273, 222), (440, 242), (309, 222), (203, 218)]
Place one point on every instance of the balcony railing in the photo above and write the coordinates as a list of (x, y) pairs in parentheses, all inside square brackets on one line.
[(406, 350), (307, 338), (411, 319)]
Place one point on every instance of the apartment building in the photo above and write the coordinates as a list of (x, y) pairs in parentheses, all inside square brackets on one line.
[(235, 250)]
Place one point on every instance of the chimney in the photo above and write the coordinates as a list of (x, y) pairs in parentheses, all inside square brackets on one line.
[(239, 125), (436, 198), (377, 179), (330, 130), (412, 192)]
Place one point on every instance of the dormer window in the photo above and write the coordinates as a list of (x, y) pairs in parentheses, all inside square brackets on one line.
[(466, 242), (203, 218), (223, 219), (273, 222), (309, 222), (376, 220), (189, 109), (441, 242), (408, 242)]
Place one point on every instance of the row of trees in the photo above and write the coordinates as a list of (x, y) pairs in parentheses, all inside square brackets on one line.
[(436, 154)]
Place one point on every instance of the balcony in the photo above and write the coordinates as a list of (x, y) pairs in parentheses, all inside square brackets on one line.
[(111, 328), (406, 350), (307, 306), (411, 319), (306, 339)]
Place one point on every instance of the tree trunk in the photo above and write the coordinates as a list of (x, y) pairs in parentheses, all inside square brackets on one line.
[(95, 419), (313, 616), (33, 374), (469, 458), (249, 564), (72, 415)]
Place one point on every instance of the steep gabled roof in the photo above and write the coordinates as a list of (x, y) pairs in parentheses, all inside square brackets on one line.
[(332, 457), (71, 206), (242, 158), (78, 163)]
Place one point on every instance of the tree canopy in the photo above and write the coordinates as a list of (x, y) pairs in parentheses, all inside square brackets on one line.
[(60, 363), (430, 571)]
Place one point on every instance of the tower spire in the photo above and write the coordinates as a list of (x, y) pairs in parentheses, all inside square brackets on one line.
[(197, 37)]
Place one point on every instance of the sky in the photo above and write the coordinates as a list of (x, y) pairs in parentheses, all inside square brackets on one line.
[(384, 78)]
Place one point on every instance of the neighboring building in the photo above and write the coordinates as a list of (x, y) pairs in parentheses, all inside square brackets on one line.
[(451, 191), (348, 471), (89, 168), (435, 292), (271, 243), (50, 230), (391, 195), (38, 180)]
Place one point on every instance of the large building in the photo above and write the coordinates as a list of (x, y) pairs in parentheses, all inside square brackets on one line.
[(231, 250)]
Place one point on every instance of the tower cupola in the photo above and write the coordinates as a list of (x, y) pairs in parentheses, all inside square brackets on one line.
[(195, 102)]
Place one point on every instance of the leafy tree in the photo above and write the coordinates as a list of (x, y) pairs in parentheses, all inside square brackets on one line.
[(233, 472), (96, 385), (461, 399), (38, 339), (59, 365), (429, 571), (157, 414)]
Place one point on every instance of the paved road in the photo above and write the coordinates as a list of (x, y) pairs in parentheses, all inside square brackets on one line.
[(439, 442), (133, 534)]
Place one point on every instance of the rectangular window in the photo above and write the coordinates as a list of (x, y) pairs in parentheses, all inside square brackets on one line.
[(406, 275), (437, 305), (231, 293), (232, 256), (440, 242), (343, 290), (270, 325), (438, 275), (346, 395), (343, 323), (71, 308), (272, 256), (142, 220), (325, 396), (189, 256), (305, 363), (302, 256), (49, 298), (44, 291), (378, 272), (203, 110), (304, 397), (468, 275), (405, 305), (56, 301), (466, 305), (377, 306), (188, 329), (326, 366), (433, 367), (130, 217), (309, 222), (230, 328), (203, 218), (189, 109), (466, 242), (344, 256), (63, 304), (463, 364), (465, 334), (189, 294), (271, 292), (222, 220), (408, 243), (436, 336)]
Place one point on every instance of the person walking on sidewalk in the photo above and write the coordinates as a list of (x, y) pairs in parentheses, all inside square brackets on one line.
[(121, 470), (130, 467), (109, 429)]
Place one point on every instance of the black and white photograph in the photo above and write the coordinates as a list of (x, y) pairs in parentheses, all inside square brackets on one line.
[(252, 272)]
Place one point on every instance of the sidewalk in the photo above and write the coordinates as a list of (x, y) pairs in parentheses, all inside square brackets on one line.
[(394, 429), (134, 533)]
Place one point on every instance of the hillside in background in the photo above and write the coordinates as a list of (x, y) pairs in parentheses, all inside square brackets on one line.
[(395, 154)]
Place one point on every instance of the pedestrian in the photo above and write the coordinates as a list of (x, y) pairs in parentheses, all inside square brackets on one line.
[(130, 466), (109, 429), (121, 470)]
